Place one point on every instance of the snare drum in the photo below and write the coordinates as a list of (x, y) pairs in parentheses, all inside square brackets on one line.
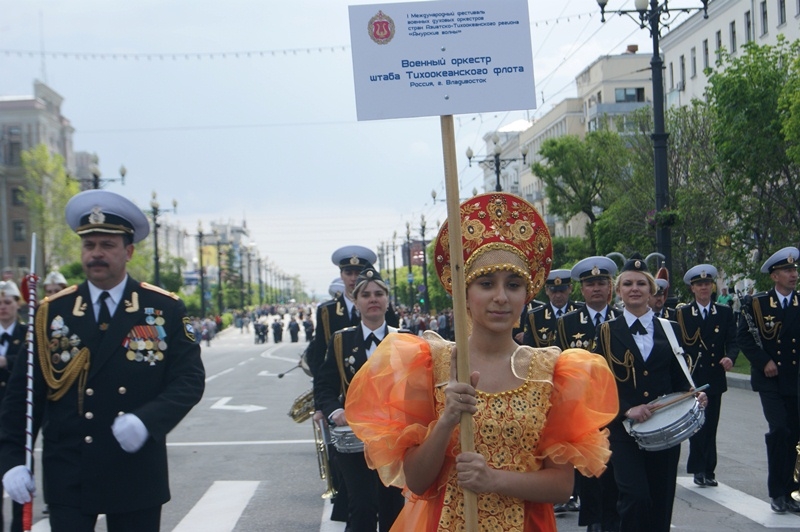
[(668, 426), (345, 441)]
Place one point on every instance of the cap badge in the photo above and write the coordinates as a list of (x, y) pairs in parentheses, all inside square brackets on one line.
[(638, 264), (97, 216), (595, 271), (790, 259), (354, 260), (703, 274), (370, 274), (557, 281)]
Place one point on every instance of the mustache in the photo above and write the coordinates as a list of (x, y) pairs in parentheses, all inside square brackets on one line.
[(95, 263)]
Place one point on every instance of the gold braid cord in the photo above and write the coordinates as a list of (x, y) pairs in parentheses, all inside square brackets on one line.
[(337, 352), (768, 334), (326, 323), (688, 340), (59, 381), (628, 359)]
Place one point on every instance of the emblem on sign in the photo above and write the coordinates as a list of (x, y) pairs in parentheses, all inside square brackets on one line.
[(381, 28)]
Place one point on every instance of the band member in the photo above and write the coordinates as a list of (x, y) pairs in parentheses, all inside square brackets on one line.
[(708, 333), (370, 502), (12, 343), (645, 367), (541, 323), (768, 333), (659, 299), (54, 283), (405, 402), (116, 368), (597, 495)]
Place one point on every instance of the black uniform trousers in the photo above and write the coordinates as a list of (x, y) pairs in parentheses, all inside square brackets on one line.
[(646, 483), (71, 519), (599, 500), (781, 413), (703, 445), (370, 503)]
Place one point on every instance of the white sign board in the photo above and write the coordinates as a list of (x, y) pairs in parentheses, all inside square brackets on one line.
[(441, 58)]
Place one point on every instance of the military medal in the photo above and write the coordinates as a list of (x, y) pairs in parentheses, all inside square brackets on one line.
[(150, 319)]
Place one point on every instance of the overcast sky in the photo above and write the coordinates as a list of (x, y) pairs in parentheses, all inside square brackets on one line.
[(270, 137)]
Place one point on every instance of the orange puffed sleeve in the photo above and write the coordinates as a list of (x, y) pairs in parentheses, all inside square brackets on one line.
[(390, 403), (584, 400)]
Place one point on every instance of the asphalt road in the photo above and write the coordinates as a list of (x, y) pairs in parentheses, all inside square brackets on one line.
[(238, 462)]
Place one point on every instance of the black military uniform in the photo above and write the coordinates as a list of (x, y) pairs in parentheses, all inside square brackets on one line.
[(370, 502), (645, 478), (96, 375), (769, 334), (708, 336)]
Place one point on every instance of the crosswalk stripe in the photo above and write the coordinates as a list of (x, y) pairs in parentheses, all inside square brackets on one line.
[(219, 508), (737, 501)]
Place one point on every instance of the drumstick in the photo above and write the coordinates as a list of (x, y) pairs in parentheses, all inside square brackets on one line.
[(679, 398)]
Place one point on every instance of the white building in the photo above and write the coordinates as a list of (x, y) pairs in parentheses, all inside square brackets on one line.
[(694, 45)]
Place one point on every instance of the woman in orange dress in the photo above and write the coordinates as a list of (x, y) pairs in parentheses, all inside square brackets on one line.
[(538, 413)]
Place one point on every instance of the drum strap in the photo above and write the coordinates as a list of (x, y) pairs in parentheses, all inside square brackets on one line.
[(676, 348)]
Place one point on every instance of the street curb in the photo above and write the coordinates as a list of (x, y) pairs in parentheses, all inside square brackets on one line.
[(738, 380)]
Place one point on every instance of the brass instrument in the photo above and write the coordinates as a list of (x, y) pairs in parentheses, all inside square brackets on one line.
[(322, 458), (303, 407), (796, 493)]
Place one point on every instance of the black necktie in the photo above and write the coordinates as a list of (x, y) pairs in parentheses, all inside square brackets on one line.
[(353, 315), (638, 328), (104, 318), (786, 303), (597, 319), (4, 338), (559, 313), (369, 340), (705, 313)]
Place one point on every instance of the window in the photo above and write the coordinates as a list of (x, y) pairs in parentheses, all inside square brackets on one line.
[(683, 73), (693, 61), (781, 12), (20, 234), (733, 37), (18, 196), (748, 27), (629, 95), (764, 21), (718, 49), (705, 54), (22, 261)]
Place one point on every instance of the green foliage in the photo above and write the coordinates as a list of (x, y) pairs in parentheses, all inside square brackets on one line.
[(789, 107), (73, 272), (170, 274), (751, 113), (46, 195), (577, 174), (569, 250)]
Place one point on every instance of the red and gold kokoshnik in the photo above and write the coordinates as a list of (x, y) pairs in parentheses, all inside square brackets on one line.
[(499, 231)]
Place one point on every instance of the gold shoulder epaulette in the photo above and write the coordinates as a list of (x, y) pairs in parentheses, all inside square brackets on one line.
[(64, 292), (160, 290)]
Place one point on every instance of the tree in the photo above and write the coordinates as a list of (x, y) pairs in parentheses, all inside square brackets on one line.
[(760, 179), (46, 195), (577, 173)]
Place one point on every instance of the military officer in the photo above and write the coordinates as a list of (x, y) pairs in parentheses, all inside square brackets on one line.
[(658, 301), (541, 323), (709, 338), (598, 496), (371, 504), (119, 369), (768, 334), (12, 341)]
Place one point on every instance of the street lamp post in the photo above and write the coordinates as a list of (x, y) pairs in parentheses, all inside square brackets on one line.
[(425, 302), (260, 284), (495, 162), (202, 273), (394, 266), (650, 13), (410, 274), (219, 270), (155, 211)]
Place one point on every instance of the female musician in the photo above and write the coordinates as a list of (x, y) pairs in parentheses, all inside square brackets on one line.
[(645, 367), (537, 412), (370, 503)]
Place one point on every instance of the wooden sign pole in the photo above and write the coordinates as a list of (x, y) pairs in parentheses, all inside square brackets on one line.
[(459, 300)]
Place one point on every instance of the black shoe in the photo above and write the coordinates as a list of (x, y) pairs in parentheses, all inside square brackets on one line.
[(595, 527), (700, 479), (711, 481), (573, 505), (560, 508), (792, 505), (778, 505)]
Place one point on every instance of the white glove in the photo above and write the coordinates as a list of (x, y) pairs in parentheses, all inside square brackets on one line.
[(130, 432), (18, 483)]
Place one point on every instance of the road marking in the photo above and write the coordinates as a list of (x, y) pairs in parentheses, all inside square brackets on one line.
[(220, 507), (255, 442), (220, 374), (743, 504), (222, 404)]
